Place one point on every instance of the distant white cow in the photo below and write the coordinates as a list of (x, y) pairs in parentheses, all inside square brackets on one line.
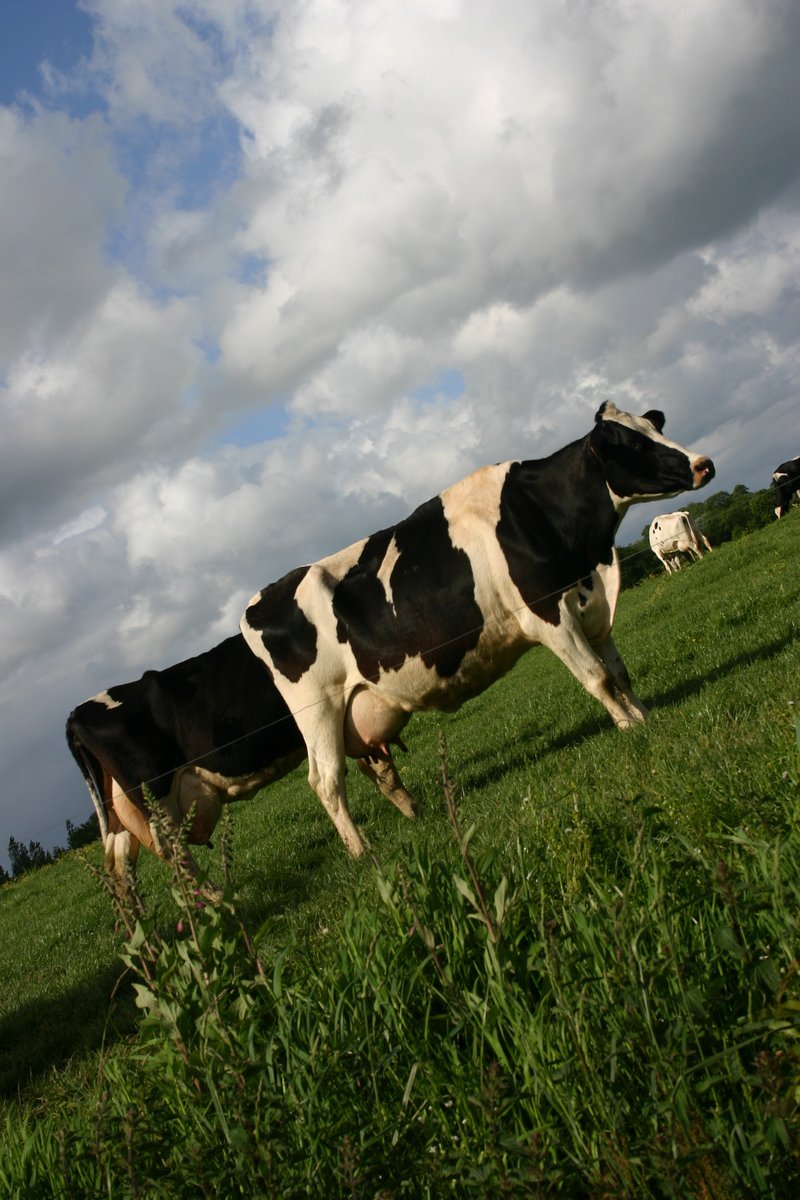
[(674, 534)]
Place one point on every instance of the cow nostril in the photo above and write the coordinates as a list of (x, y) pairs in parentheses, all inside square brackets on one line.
[(703, 468)]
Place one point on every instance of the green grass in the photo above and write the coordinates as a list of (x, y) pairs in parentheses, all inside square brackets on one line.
[(560, 802)]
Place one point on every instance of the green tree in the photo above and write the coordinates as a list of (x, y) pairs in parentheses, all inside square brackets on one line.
[(26, 858), (83, 834)]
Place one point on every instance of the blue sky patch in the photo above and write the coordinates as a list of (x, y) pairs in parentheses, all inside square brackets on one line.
[(34, 31), (255, 427), (449, 384)]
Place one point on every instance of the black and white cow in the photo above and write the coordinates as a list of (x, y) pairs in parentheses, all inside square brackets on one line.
[(786, 482), (199, 734), (675, 534), (429, 612)]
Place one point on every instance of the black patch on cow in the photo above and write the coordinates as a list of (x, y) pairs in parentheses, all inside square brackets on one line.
[(787, 486), (434, 613), (636, 465), (556, 525), (220, 709), (287, 633)]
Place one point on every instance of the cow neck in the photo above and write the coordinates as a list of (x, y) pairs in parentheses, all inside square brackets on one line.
[(569, 490), (556, 525)]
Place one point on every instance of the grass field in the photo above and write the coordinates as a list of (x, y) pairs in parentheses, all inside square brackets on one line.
[(683, 829)]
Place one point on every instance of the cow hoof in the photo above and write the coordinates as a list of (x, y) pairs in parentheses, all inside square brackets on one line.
[(210, 892)]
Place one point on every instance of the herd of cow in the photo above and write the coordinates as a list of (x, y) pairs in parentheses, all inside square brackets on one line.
[(332, 659)]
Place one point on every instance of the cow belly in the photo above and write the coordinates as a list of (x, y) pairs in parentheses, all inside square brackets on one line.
[(416, 687), (236, 787), (205, 792)]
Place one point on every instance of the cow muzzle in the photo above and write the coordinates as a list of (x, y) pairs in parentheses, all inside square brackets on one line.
[(702, 471)]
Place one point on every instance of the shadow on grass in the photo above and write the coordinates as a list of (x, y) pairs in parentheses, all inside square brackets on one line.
[(44, 1035), (691, 686), (272, 889), (485, 767)]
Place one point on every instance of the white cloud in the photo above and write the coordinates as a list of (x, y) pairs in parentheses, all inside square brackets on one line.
[(752, 276), (371, 367), (80, 413), (60, 193), (86, 521)]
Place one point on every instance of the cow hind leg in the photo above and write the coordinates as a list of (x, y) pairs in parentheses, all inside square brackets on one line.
[(331, 792), (121, 850), (129, 818), (326, 772), (121, 853), (383, 773)]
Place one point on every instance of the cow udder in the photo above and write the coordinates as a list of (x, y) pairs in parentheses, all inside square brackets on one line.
[(371, 724)]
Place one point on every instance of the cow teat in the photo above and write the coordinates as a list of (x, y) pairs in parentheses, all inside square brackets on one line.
[(703, 471)]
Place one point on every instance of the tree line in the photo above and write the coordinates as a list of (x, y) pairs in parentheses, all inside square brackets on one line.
[(28, 857)]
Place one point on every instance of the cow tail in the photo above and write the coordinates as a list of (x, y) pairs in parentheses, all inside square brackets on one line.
[(93, 774)]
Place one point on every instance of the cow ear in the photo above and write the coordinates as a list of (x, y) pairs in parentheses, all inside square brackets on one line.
[(598, 416), (601, 438), (656, 418)]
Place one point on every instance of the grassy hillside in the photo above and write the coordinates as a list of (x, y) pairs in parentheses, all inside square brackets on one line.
[(557, 797)]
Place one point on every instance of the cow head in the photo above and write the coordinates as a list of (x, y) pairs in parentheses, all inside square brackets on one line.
[(638, 462)]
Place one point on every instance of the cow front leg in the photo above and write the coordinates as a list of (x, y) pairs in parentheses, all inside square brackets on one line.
[(610, 655), (383, 773), (597, 678)]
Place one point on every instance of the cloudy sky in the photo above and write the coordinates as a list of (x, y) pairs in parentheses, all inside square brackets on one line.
[(273, 273)]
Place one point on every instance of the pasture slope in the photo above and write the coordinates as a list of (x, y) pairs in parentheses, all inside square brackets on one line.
[(595, 992)]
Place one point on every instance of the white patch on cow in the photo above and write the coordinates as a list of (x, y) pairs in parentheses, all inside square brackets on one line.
[(384, 573), (105, 699), (472, 510), (338, 564)]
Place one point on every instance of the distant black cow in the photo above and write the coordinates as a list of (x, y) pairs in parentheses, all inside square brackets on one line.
[(786, 481), (206, 731), (429, 612)]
